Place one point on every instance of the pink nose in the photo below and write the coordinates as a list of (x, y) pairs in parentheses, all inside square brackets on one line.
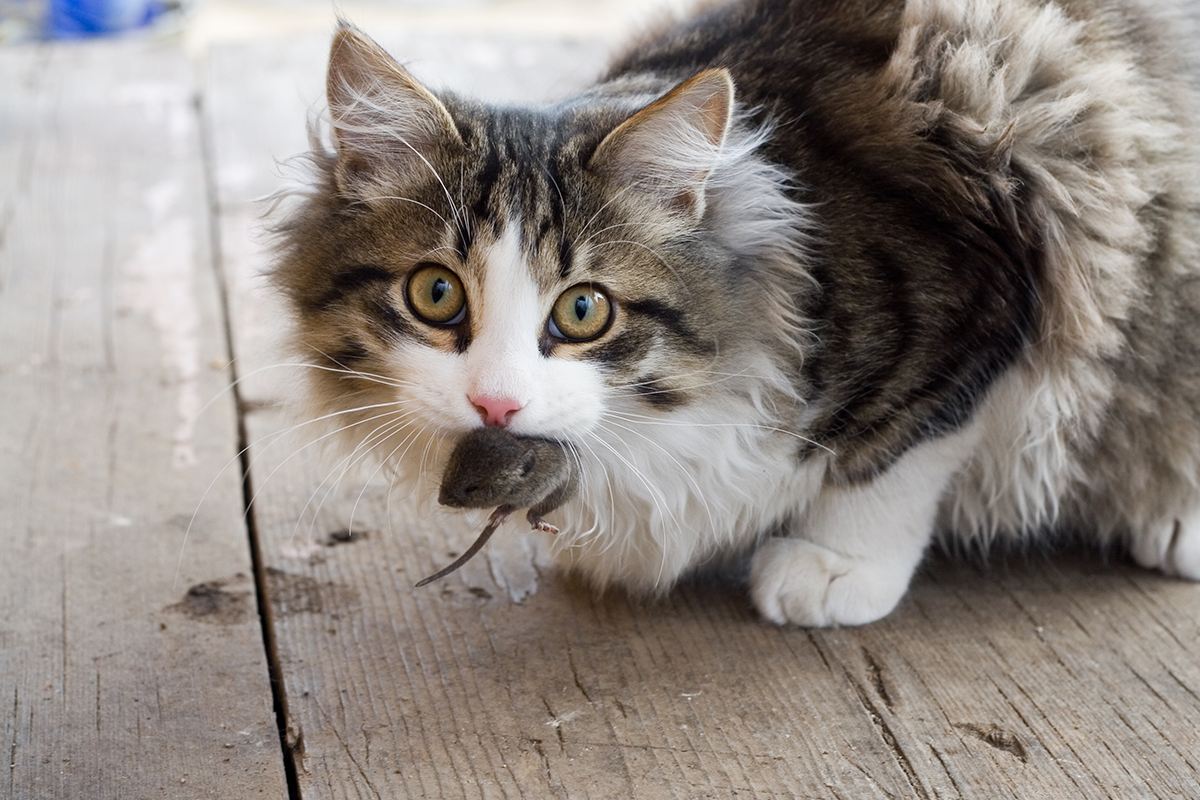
[(497, 411)]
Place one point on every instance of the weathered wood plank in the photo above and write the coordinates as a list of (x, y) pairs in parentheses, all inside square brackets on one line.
[(1042, 679), (117, 681)]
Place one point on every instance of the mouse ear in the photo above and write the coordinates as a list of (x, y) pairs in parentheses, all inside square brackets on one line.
[(668, 149), (388, 126)]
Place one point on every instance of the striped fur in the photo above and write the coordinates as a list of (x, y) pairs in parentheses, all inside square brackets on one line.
[(878, 269)]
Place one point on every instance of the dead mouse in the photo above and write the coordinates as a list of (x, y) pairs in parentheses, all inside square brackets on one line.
[(491, 467)]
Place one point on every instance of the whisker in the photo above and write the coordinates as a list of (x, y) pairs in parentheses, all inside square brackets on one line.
[(355, 457), (380, 435), (261, 445), (612, 227), (599, 211), (237, 382), (683, 468), (343, 369), (318, 440), (554, 183), (591, 532), (407, 442), (649, 420), (437, 177), (402, 199), (654, 492), (586, 489), (719, 377)]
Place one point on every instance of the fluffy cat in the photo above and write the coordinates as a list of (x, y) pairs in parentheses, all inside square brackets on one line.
[(809, 281)]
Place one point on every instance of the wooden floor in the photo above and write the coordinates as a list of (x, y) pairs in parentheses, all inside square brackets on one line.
[(155, 642)]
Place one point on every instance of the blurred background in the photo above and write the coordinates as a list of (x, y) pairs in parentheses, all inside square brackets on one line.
[(201, 23)]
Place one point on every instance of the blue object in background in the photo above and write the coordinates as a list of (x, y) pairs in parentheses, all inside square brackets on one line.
[(78, 19)]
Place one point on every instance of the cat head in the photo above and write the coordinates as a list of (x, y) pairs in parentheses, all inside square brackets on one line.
[(620, 255)]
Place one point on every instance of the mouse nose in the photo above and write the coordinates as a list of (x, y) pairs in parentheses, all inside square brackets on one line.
[(495, 411)]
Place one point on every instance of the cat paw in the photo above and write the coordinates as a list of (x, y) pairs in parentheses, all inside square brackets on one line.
[(796, 582), (1172, 547)]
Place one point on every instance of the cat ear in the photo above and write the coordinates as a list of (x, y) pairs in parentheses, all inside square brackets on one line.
[(668, 149), (386, 123)]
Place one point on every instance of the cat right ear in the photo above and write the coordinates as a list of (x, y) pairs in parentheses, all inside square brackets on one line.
[(387, 124)]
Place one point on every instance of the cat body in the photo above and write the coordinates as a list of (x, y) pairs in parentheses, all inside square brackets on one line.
[(811, 281)]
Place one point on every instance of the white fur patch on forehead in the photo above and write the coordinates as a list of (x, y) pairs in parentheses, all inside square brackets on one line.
[(509, 308), (506, 321)]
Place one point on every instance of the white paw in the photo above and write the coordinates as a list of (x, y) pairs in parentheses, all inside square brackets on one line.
[(796, 582), (1172, 546)]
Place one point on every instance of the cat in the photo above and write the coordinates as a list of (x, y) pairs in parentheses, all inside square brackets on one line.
[(808, 283)]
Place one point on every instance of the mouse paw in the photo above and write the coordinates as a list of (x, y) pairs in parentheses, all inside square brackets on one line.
[(538, 524), (797, 582)]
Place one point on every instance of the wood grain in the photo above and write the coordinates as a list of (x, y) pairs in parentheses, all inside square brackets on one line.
[(1034, 678), (131, 658)]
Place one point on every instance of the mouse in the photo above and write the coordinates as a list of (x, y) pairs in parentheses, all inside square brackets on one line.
[(492, 467)]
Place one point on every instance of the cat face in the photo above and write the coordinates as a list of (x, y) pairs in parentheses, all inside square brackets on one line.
[(481, 332), (529, 268)]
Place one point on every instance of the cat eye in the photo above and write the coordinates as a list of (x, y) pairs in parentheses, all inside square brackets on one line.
[(436, 295), (580, 314)]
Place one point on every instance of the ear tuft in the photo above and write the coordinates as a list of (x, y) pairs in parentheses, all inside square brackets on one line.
[(386, 123), (668, 149)]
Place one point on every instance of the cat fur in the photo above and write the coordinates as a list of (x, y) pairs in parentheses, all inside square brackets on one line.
[(882, 271)]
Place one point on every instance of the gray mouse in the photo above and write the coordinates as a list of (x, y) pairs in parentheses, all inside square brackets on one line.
[(492, 467)]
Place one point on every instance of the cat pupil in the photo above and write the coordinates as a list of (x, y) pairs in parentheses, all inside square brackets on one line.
[(439, 290), (583, 304)]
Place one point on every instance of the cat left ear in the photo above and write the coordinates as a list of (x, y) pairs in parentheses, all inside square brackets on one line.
[(387, 124), (669, 148)]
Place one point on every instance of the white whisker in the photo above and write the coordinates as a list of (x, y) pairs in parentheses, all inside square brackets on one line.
[(379, 437), (402, 199), (599, 211), (655, 495), (685, 470), (395, 421), (750, 426)]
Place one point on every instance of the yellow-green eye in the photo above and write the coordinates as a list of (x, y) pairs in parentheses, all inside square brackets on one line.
[(580, 313), (436, 295)]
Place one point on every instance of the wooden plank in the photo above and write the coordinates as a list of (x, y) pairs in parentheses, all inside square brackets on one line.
[(131, 655), (1034, 678)]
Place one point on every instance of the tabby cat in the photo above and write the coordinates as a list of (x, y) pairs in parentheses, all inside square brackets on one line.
[(805, 282)]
